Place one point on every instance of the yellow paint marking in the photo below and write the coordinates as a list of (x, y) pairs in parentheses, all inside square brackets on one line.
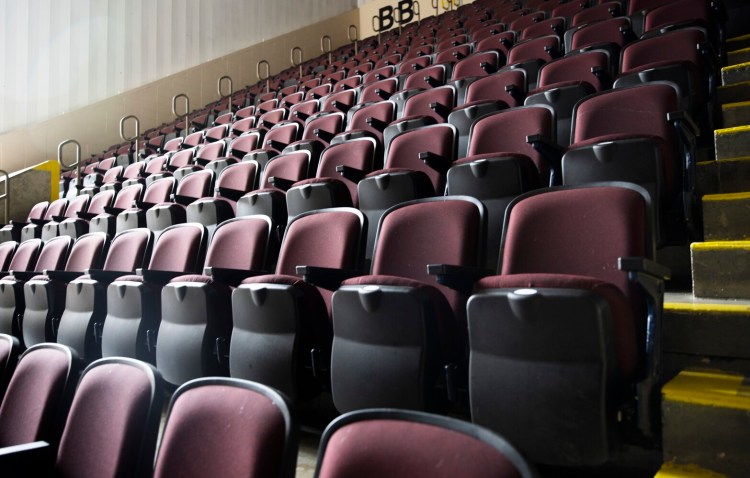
[(707, 388)]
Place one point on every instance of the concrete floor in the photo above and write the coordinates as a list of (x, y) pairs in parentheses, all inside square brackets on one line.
[(307, 457)]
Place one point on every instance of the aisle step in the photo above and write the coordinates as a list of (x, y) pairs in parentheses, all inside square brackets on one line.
[(706, 422), (723, 176), (721, 269), (733, 74), (725, 217), (735, 114), (732, 143)]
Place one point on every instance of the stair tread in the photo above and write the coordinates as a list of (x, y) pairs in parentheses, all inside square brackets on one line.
[(673, 470), (709, 388)]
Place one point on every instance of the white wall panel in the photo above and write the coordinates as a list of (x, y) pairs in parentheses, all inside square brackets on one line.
[(60, 55)]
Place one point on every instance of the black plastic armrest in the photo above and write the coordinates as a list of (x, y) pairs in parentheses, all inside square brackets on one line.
[(458, 55), (643, 265), (683, 120), (4, 274), (431, 81), (382, 93), (229, 193), (63, 276), (551, 152), (514, 93), (460, 278), (273, 144), (440, 109), (29, 459), (231, 277), (301, 115), (39, 222), (341, 106), (327, 278), (183, 200), (323, 134), (280, 183), (435, 161), (352, 174), (601, 74), (143, 206), (59, 218), (114, 211), (488, 67), (86, 216), (18, 223), (159, 277), (376, 123), (202, 161), (24, 275), (106, 277)]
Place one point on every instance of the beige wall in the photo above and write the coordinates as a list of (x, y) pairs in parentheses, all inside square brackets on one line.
[(96, 126)]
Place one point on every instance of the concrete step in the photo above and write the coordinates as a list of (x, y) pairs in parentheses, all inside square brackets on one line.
[(725, 217), (732, 143), (671, 470), (733, 93), (723, 176), (734, 74), (706, 422), (721, 269), (738, 43), (735, 114), (738, 56)]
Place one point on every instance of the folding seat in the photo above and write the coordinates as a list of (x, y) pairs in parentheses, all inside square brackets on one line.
[(321, 128), (486, 32), (421, 109), (401, 443), (93, 182), (398, 329), (554, 25), (157, 192), (34, 228), (531, 54), (255, 434), (266, 105), (224, 119), (196, 315), (524, 21), (301, 111), (339, 101), (234, 182), (348, 83), (611, 35), (241, 145), (192, 140), (478, 64), (292, 99), (682, 57), (378, 90), (424, 50), (271, 118), (379, 74), (38, 397), (451, 41), (134, 301), (194, 186), (44, 294), (85, 296), (388, 60), (501, 42), (174, 144), (52, 227), (638, 134), (180, 159), (453, 54), (527, 131), (595, 13), (566, 81), (246, 112), (12, 230), (10, 347), (242, 126), (580, 322), (340, 168), (281, 135), (281, 333), (111, 429), (21, 269), (428, 77), (211, 156), (569, 9), (682, 13), (318, 92), (78, 225)]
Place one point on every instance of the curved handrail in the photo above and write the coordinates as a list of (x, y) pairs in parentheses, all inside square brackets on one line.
[(353, 38), (6, 195), (187, 110), (268, 74), (76, 164), (228, 95), (417, 11), (328, 50), (377, 30), (436, 6), (137, 131), (449, 3), (299, 63)]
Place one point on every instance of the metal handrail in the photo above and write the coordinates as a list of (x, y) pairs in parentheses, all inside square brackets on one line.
[(229, 95), (268, 74), (354, 38), (187, 110), (329, 50), (6, 195), (417, 11), (436, 6), (450, 5), (377, 30), (137, 131), (76, 165), (291, 54)]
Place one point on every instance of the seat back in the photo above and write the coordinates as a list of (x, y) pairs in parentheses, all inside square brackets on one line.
[(9, 349), (113, 422), (254, 433), (241, 243), (399, 443), (88, 251), (180, 248), (26, 255), (7, 250), (508, 86), (430, 149), (129, 250), (54, 254), (38, 395)]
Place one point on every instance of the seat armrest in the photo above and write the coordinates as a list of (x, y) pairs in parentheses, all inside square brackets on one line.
[(683, 120), (86, 216), (183, 200), (143, 206), (435, 161), (552, 154), (63, 276), (230, 193), (641, 264), (159, 277), (352, 174), (24, 275), (460, 278), (29, 459), (113, 211), (281, 183), (327, 278), (231, 277), (39, 222), (106, 277)]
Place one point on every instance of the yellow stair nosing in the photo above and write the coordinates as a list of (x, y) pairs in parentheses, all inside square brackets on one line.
[(708, 388), (738, 66), (706, 307), (738, 104), (720, 245), (732, 130), (744, 83), (739, 38), (673, 470), (726, 196)]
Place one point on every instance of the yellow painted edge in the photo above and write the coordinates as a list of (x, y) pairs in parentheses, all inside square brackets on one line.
[(726, 196), (738, 51), (673, 470), (733, 130), (739, 38), (706, 307), (726, 160), (54, 170), (738, 66), (739, 104), (735, 158), (708, 388), (720, 245)]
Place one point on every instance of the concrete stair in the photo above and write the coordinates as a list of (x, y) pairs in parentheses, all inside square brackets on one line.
[(706, 332)]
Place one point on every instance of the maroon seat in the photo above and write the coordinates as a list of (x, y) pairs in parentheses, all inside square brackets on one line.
[(578, 322), (385, 442), (34, 228), (262, 438), (397, 329), (158, 191), (281, 334), (532, 54), (12, 230), (10, 347)]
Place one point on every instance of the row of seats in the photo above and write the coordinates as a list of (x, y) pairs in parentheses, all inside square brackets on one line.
[(104, 422)]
